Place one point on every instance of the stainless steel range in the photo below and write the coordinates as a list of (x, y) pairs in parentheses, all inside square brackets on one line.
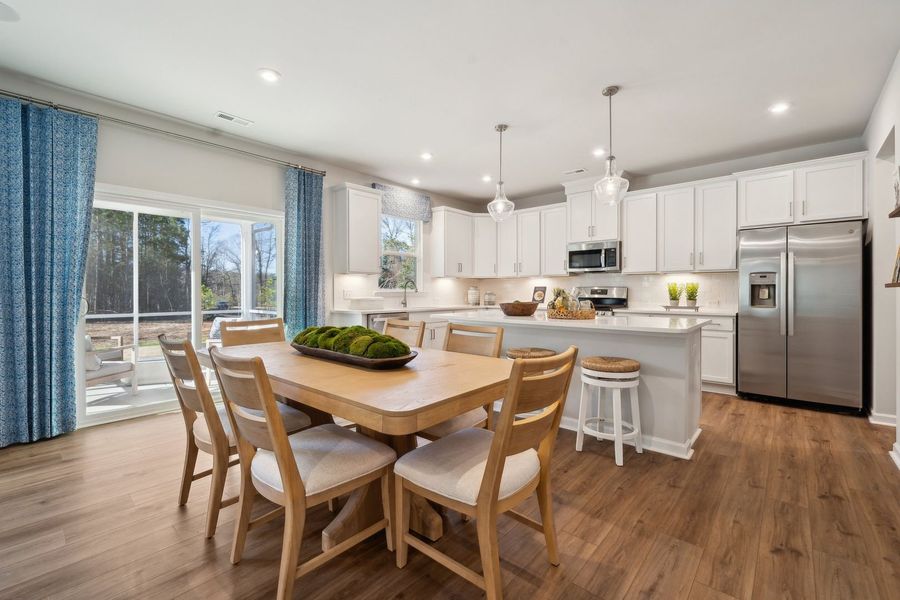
[(604, 299)]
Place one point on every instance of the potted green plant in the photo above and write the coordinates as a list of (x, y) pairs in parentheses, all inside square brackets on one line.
[(690, 293), (675, 291)]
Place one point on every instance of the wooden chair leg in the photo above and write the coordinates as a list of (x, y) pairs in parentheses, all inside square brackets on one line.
[(187, 473), (545, 503), (216, 487), (402, 501), (245, 508), (486, 526), (386, 507), (294, 521)]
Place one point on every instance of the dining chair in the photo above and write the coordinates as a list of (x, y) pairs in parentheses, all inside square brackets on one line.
[(207, 427), (409, 332), (483, 474), (294, 471), (468, 339), (261, 331)]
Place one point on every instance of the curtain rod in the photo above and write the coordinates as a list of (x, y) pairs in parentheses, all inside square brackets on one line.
[(178, 136)]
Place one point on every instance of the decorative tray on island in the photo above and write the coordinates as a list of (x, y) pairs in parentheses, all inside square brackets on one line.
[(670, 307), (359, 361)]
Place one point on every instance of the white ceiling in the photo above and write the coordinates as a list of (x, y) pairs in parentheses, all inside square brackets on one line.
[(371, 85)]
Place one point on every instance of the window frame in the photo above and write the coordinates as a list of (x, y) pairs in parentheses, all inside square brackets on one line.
[(418, 254)]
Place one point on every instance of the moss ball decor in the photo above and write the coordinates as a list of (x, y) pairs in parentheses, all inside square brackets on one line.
[(356, 340)]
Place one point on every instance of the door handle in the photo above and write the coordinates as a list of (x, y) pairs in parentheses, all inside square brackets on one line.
[(782, 313), (790, 292)]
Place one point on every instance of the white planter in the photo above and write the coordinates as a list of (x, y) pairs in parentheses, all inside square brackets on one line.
[(691, 302), (674, 302)]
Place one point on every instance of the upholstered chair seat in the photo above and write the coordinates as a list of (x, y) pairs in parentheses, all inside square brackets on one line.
[(477, 417), (327, 456), (453, 466)]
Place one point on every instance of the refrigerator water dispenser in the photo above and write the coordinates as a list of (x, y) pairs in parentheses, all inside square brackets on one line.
[(762, 290)]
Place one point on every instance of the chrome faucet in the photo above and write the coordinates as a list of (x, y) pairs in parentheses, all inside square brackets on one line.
[(405, 287)]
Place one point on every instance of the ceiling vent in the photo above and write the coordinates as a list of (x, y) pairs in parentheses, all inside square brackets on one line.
[(575, 172), (234, 119)]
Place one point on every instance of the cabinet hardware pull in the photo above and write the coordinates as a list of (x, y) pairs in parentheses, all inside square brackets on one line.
[(701, 257), (804, 207), (790, 209), (520, 267), (691, 259)]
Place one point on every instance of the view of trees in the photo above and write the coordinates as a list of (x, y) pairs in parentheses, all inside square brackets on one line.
[(108, 278), (220, 265), (164, 276), (399, 243)]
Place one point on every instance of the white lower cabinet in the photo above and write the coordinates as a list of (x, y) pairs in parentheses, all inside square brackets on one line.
[(717, 358), (435, 334)]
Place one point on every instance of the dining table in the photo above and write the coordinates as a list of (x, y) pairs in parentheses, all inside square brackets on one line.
[(387, 405)]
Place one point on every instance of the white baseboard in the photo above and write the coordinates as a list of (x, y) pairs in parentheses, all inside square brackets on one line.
[(895, 454), (883, 419), (663, 446), (718, 388)]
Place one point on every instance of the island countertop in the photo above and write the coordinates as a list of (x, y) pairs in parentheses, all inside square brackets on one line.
[(616, 324)]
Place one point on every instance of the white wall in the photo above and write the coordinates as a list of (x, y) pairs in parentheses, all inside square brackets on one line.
[(885, 233)]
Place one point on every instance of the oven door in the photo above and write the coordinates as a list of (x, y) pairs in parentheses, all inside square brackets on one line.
[(593, 257)]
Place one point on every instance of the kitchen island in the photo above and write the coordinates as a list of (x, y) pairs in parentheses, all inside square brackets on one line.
[(667, 348)]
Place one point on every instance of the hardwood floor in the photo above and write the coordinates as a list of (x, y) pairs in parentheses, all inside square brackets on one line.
[(777, 502)]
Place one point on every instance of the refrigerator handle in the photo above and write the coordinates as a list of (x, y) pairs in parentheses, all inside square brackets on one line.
[(790, 294), (782, 311)]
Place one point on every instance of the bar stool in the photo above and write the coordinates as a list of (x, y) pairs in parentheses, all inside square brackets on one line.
[(613, 373), (514, 353)]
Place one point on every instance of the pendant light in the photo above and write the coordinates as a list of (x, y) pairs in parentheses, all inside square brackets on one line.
[(611, 189), (501, 207)]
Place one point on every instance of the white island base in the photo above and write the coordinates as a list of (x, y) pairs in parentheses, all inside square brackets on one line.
[(669, 353)]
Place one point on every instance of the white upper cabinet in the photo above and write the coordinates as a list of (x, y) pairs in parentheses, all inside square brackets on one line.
[(451, 243), (676, 229), (606, 220), (484, 246), (766, 199), (554, 254), (356, 245), (715, 226), (529, 243), (589, 219), (639, 233), (507, 248), (580, 216), (831, 190), (820, 190)]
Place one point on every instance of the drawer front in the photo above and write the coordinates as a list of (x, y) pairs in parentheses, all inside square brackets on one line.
[(720, 324)]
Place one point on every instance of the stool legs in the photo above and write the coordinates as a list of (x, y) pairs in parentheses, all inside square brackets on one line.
[(617, 424), (582, 410), (636, 421), (600, 409)]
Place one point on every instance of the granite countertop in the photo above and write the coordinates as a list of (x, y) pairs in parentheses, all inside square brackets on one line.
[(410, 309)]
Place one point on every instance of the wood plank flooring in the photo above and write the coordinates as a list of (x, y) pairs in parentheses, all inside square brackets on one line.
[(778, 502)]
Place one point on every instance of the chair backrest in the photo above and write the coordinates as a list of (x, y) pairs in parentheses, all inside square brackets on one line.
[(190, 385), (412, 333), (474, 339), (535, 385), (238, 333), (250, 403)]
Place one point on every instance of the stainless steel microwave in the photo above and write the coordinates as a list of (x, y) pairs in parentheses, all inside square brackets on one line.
[(594, 257)]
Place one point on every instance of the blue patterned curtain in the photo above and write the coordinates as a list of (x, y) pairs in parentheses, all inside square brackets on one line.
[(47, 160), (304, 302)]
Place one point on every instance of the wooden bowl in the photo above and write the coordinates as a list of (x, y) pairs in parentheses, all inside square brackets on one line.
[(518, 309)]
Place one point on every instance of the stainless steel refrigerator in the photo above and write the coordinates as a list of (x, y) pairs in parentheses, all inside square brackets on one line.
[(800, 325)]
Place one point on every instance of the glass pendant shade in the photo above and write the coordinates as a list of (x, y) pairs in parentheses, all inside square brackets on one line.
[(501, 207), (611, 189)]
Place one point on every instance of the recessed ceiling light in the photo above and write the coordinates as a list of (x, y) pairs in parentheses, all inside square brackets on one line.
[(779, 108), (414, 181), (486, 178), (8, 13), (598, 152), (426, 156), (269, 75)]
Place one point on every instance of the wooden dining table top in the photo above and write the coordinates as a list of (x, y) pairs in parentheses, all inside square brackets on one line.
[(433, 387)]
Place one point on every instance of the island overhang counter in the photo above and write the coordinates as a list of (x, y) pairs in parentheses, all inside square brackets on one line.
[(668, 349)]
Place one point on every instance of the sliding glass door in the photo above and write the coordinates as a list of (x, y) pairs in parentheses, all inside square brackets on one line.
[(155, 270)]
